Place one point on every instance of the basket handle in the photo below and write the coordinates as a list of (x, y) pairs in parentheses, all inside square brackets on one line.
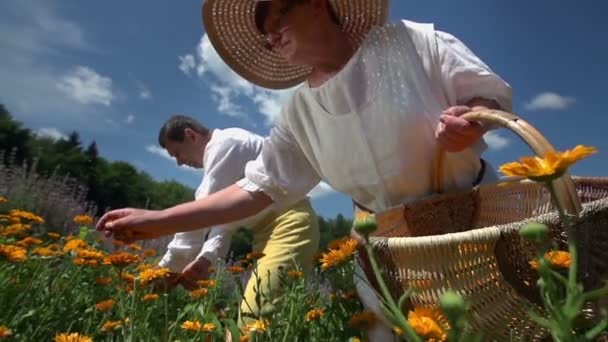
[(565, 190)]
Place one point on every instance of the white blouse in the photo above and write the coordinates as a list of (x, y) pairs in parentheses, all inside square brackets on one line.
[(369, 130)]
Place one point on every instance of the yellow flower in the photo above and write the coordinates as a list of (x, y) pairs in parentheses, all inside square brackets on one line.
[(111, 326), (207, 283), (338, 256), (255, 255), (558, 259), (90, 253), (209, 327), (335, 244), (314, 314), (3, 200), (150, 274), (554, 164), (53, 235), (259, 326), (13, 253), (4, 330), (149, 297), (28, 241), (74, 244), (105, 305), (363, 320), (73, 337), (294, 274), (134, 247), (199, 293), (121, 259), (16, 229), (103, 280), (398, 331), (235, 269), (83, 219), (148, 253), (26, 215), (46, 252), (195, 326), (424, 323)]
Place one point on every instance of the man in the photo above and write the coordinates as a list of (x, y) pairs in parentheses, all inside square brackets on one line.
[(223, 154)]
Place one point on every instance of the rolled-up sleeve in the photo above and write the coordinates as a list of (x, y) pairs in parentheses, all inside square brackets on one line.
[(465, 76), (282, 170)]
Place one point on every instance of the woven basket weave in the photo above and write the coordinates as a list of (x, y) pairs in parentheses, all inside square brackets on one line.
[(469, 241)]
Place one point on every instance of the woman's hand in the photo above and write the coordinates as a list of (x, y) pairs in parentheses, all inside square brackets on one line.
[(131, 224), (455, 134)]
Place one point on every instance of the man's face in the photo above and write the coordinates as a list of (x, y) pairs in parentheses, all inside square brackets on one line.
[(188, 152)]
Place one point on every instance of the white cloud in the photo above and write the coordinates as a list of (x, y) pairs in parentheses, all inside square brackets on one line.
[(130, 118), (51, 132), (549, 100), (229, 90), (86, 86), (144, 92), (323, 189), (496, 141)]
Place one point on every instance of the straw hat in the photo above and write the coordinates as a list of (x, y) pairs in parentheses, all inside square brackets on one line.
[(230, 25)]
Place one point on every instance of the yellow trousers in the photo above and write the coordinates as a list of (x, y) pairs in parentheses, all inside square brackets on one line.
[(289, 241)]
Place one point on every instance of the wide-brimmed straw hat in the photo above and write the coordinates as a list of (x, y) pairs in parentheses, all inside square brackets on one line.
[(230, 25)]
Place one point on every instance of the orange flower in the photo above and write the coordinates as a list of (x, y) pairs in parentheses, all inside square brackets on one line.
[(149, 297), (28, 241), (53, 235), (199, 293), (235, 269), (255, 255), (26, 215), (109, 326), (294, 274), (127, 277), (558, 259), (5, 331), (3, 200), (424, 323), (84, 220), (211, 269), (13, 253), (121, 259), (148, 253), (150, 274), (16, 229), (259, 326), (90, 253), (103, 280), (363, 320), (314, 314), (207, 283), (339, 256), (552, 165), (74, 244), (134, 247), (105, 305), (196, 326), (335, 244), (73, 337)]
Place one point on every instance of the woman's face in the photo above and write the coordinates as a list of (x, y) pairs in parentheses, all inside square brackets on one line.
[(290, 29)]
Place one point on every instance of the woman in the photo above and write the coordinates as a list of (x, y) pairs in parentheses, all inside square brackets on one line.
[(377, 101)]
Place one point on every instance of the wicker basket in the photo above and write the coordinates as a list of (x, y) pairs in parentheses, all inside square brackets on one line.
[(469, 241)]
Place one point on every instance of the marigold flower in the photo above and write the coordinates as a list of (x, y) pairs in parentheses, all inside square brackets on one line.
[(148, 253), (26, 215), (72, 337), (194, 326), (363, 320), (90, 253), (557, 259), (149, 297), (424, 323), (335, 244), (103, 280), (5, 331), (552, 165), (53, 235), (16, 229), (199, 293), (294, 274), (235, 269), (314, 314), (74, 244), (121, 259), (84, 220), (105, 305), (109, 326), (259, 326), (134, 247), (3, 200), (150, 274), (127, 277), (255, 255), (339, 256), (46, 252), (207, 283), (13, 253), (28, 241)]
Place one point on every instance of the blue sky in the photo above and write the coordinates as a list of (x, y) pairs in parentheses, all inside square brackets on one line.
[(115, 70)]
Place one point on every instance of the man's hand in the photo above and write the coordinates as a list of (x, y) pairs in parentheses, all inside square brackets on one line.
[(129, 224), (194, 271), (455, 134)]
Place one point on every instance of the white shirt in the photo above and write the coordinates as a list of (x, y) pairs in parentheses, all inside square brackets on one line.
[(369, 130), (225, 157)]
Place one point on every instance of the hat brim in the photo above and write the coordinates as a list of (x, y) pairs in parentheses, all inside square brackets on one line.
[(231, 28)]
